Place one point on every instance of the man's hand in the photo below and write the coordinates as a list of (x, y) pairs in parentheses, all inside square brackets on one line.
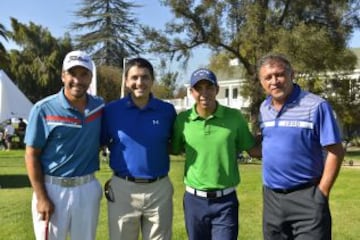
[(45, 209)]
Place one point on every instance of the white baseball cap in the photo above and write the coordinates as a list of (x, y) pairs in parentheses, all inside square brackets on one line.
[(77, 58)]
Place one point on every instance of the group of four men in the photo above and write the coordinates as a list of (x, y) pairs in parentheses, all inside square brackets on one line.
[(67, 129)]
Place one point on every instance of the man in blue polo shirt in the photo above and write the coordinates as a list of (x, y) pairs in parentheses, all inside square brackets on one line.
[(137, 130), (62, 153), (302, 155)]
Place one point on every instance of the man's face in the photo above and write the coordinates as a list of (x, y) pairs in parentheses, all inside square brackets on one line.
[(76, 82), (139, 82), (276, 80), (204, 94)]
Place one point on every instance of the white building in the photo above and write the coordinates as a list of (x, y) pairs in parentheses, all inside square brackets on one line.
[(229, 92)]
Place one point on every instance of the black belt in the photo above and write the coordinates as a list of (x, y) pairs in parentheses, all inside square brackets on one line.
[(139, 180), (293, 189)]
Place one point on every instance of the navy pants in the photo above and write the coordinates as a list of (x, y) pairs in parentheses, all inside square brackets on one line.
[(302, 215), (211, 218)]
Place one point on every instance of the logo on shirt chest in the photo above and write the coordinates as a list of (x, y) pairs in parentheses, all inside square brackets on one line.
[(155, 122), (295, 124)]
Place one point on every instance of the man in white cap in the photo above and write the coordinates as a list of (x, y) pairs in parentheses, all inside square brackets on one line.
[(62, 154)]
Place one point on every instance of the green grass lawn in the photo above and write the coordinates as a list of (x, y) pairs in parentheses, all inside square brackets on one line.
[(15, 197)]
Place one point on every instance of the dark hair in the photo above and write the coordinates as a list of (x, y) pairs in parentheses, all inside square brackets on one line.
[(139, 62), (271, 58)]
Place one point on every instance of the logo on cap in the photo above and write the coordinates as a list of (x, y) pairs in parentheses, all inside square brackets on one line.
[(203, 74), (77, 58)]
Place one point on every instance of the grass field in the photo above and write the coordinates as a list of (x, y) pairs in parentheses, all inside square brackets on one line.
[(15, 197)]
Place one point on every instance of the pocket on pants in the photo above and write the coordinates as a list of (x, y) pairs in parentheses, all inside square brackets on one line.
[(319, 197)]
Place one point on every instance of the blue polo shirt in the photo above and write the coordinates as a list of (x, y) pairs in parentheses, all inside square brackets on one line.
[(138, 139), (69, 140), (294, 137)]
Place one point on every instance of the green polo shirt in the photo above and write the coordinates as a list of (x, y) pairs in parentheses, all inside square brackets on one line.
[(211, 146)]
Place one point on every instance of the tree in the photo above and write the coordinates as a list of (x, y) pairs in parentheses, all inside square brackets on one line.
[(36, 66), (3, 55), (113, 30), (312, 33), (181, 92), (165, 86), (343, 93), (110, 85), (221, 64)]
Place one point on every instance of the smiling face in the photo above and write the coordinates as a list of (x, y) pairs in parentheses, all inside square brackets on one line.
[(204, 94), (139, 81), (276, 79), (76, 82)]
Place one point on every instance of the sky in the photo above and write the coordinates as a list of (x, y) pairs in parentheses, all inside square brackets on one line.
[(57, 15)]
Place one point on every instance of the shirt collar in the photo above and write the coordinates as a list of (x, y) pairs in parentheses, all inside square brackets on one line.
[(219, 112), (150, 105), (65, 103)]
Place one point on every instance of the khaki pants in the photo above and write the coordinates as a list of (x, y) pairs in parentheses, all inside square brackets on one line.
[(145, 207)]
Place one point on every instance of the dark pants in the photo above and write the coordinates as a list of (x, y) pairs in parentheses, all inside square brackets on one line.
[(8, 141), (211, 219), (302, 215), (21, 140)]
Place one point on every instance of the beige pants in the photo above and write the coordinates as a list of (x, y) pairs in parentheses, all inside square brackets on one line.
[(140, 206)]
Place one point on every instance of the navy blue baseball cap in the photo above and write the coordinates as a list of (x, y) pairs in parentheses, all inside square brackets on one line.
[(202, 74)]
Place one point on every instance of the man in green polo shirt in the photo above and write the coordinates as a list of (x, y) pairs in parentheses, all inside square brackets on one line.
[(211, 135)]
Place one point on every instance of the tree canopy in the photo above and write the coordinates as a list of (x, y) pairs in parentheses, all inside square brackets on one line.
[(108, 29), (3, 54), (313, 34), (36, 65)]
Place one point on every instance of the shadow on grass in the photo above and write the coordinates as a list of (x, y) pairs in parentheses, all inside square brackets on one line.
[(14, 181)]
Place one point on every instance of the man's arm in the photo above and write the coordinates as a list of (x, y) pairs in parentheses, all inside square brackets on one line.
[(333, 162), (256, 150), (32, 161)]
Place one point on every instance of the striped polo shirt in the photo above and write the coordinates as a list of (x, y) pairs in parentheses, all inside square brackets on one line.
[(294, 137), (69, 140)]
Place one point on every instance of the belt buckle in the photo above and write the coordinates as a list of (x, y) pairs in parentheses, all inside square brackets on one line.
[(212, 194), (139, 180), (285, 191), (67, 182)]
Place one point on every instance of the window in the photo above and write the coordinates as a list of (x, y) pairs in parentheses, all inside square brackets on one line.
[(227, 93), (235, 93)]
